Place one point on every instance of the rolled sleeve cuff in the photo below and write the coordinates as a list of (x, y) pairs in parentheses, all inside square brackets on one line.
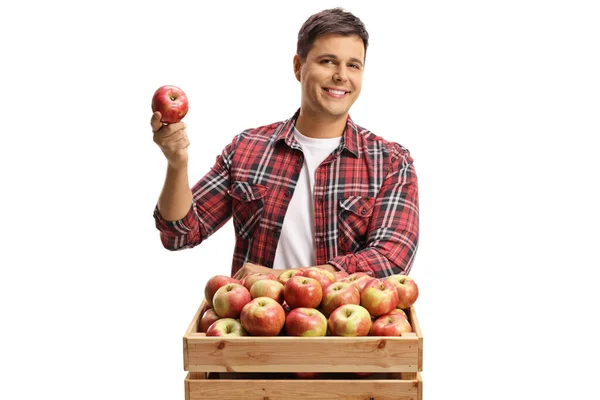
[(180, 227)]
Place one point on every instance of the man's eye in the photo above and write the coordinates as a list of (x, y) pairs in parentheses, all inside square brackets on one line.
[(326, 62), (355, 66)]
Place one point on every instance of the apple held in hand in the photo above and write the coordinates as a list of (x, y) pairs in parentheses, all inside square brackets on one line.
[(407, 289), (213, 284), (226, 327), (208, 317), (350, 320), (287, 274), (393, 324), (379, 297), (337, 294), (267, 288), (263, 316), (305, 322), (301, 291), (229, 300), (171, 102), (250, 279)]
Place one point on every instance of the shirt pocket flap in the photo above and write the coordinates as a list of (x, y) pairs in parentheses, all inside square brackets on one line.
[(244, 191), (362, 206)]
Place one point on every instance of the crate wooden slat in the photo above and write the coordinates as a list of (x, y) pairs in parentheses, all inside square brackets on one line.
[(400, 386), (294, 354)]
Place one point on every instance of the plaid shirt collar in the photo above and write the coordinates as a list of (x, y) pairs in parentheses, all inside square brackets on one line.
[(349, 140)]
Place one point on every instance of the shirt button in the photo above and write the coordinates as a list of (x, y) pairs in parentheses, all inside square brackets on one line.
[(363, 211), (288, 193), (244, 196)]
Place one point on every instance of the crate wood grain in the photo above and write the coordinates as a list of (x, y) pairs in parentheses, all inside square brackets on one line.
[(202, 353), (399, 386)]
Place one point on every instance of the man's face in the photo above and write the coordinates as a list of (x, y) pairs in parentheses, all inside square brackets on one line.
[(331, 75)]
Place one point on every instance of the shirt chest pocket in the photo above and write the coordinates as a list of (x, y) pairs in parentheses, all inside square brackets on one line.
[(353, 222), (248, 203)]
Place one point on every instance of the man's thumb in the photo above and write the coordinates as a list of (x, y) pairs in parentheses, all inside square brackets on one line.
[(155, 121)]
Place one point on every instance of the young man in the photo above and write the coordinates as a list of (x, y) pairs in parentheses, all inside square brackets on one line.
[(315, 189)]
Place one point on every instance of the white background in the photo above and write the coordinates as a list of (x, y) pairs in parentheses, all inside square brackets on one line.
[(498, 103)]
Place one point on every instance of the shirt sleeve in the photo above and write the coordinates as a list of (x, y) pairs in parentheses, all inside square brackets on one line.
[(209, 211), (393, 233)]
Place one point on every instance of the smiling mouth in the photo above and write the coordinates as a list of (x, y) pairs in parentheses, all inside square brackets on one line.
[(335, 91)]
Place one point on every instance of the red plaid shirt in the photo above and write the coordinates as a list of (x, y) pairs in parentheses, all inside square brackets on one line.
[(365, 200)]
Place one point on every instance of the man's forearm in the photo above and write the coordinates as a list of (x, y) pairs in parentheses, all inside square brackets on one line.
[(388, 258), (176, 197)]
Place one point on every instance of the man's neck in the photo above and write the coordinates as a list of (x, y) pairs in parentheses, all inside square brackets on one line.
[(320, 127)]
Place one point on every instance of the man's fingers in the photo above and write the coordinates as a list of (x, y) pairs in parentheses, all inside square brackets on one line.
[(250, 268), (170, 130), (179, 144), (239, 274), (173, 141)]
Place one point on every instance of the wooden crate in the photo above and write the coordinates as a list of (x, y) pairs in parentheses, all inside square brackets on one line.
[(275, 386), (279, 354)]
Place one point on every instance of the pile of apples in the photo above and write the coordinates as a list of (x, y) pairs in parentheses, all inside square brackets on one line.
[(309, 302)]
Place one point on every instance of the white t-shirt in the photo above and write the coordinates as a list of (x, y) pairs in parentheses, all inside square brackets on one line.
[(296, 247)]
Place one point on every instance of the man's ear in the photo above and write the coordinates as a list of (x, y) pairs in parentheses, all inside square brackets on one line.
[(297, 67)]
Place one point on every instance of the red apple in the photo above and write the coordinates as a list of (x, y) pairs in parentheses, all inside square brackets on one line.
[(288, 273), (301, 291), (355, 275), (213, 284), (267, 288), (338, 294), (379, 297), (226, 327), (350, 320), (339, 275), (263, 316), (208, 317), (390, 325), (304, 321), (171, 102), (320, 270), (250, 279), (324, 277), (399, 311), (407, 289), (359, 279), (229, 300)]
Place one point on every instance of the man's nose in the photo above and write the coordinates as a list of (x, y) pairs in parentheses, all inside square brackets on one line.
[(341, 75)]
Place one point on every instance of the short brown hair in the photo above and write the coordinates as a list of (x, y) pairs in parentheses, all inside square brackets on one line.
[(335, 20)]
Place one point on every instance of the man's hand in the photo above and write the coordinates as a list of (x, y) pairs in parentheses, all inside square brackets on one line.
[(250, 268), (172, 140)]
